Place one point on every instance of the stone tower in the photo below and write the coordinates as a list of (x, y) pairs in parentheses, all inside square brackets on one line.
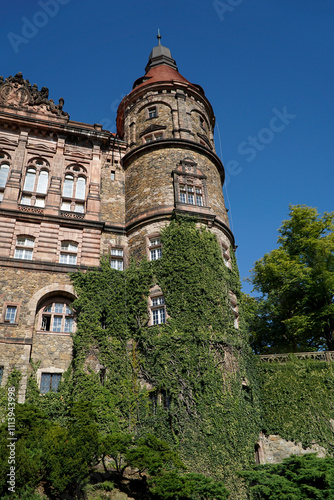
[(170, 162), (71, 192)]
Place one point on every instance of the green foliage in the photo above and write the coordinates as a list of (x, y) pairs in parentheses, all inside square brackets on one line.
[(30, 425), (297, 400), (146, 454), (190, 382), (69, 453), (296, 478), (188, 487), (296, 309)]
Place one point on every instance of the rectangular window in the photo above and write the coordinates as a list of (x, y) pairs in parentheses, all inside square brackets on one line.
[(158, 316), (10, 316), (152, 112), (50, 382), (155, 248), (68, 325), (112, 175), (56, 327), (26, 200), (66, 258), (1, 374), (158, 312), (116, 262), (66, 205)]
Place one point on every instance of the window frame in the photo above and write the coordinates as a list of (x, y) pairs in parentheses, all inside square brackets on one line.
[(151, 109), (157, 310), (158, 135), (151, 247), (4, 313), (116, 258), (39, 190), (70, 201), (49, 316), (24, 247), (68, 252), (51, 374)]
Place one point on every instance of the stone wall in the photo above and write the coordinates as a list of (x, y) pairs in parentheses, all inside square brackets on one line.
[(273, 449)]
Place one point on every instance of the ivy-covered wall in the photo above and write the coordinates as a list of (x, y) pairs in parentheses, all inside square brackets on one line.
[(297, 401), (191, 380)]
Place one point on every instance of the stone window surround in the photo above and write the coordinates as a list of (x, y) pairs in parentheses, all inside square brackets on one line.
[(48, 369), (149, 247), (76, 239), (190, 179), (155, 293), (38, 164), (10, 304), (75, 170), (68, 252)]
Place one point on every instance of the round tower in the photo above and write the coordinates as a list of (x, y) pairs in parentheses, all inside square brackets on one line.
[(170, 163)]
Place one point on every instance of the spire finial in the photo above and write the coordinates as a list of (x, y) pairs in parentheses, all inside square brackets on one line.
[(159, 37)]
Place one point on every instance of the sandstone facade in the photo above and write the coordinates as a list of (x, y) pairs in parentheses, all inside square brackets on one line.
[(71, 192)]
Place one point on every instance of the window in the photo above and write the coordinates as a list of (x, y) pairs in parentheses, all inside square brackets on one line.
[(10, 316), (50, 382), (116, 261), (74, 188), (56, 316), (36, 183), (68, 253), (191, 195), (156, 136), (152, 112), (4, 171), (155, 248), (158, 310), (190, 184), (24, 248), (1, 374), (112, 175)]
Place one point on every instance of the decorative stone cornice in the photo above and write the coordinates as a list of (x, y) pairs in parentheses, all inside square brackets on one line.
[(17, 92)]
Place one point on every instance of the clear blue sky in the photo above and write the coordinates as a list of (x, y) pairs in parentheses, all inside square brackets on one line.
[(265, 65)]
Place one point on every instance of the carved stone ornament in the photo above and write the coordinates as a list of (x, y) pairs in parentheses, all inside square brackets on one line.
[(17, 92)]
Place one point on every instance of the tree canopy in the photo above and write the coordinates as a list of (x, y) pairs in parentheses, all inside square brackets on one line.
[(295, 311)]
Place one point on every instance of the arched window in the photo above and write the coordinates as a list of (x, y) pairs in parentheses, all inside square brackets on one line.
[(56, 316), (68, 253), (24, 247), (35, 183), (4, 170), (74, 189)]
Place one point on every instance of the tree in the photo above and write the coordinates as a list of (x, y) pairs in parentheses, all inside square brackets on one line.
[(296, 309), (296, 478)]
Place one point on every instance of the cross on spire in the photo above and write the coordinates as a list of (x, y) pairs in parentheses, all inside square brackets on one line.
[(159, 37)]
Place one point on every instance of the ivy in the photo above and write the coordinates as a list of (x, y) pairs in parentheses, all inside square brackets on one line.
[(297, 401)]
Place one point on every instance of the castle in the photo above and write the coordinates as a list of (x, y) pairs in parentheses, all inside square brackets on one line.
[(72, 192)]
